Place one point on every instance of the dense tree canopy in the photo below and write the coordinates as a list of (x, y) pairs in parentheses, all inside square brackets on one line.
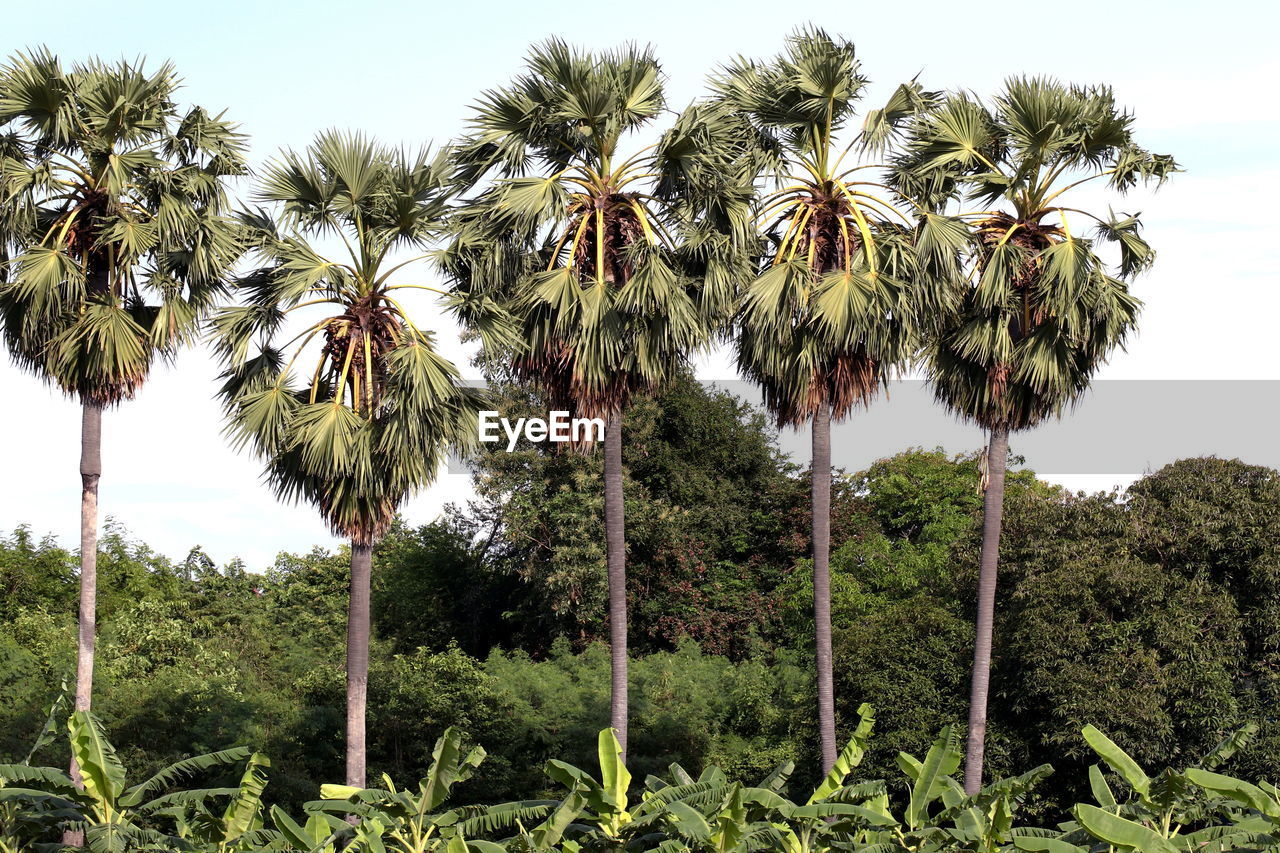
[(1141, 612)]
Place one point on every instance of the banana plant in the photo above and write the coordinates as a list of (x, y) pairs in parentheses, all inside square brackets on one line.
[(26, 814), (238, 827), (736, 824), (34, 803), (320, 833), (404, 820), (715, 815), (939, 815), (593, 810), (709, 813), (712, 814), (116, 817), (838, 812), (929, 779), (606, 798), (1253, 812), (549, 835), (1152, 817)]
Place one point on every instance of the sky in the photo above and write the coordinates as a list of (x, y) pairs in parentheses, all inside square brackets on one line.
[(1198, 76)]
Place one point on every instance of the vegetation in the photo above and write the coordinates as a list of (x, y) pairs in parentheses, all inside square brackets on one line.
[(114, 241), (1041, 310), (836, 304), (928, 810), (614, 263), (382, 408), (1141, 613), (1136, 629)]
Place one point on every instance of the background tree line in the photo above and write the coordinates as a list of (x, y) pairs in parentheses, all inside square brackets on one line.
[(1151, 613)]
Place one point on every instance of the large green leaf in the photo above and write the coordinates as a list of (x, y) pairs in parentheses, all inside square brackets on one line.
[(1237, 789), (850, 756), (245, 809), (100, 769), (614, 776), (1118, 760), (1101, 790), (548, 833), (1033, 844), (689, 822), (177, 771), (1120, 831), (942, 760), (448, 767)]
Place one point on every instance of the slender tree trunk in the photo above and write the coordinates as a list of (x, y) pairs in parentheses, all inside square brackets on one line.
[(616, 550), (90, 474), (821, 521), (992, 516), (358, 661)]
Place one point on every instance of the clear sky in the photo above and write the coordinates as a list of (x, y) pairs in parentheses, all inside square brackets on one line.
[(1199, 76)]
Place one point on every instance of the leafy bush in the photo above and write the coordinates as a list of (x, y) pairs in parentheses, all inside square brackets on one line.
[(1148, 614), (921, 809)]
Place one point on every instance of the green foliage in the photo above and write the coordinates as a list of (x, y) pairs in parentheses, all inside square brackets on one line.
[(114, 233), (33, 574), (434, 587), (835, 304), (587, 262), (212, 656), (747, 720), (115, 816), (377, 410), (1216, 522), (1039, 310), (193, 656), (710, 504)]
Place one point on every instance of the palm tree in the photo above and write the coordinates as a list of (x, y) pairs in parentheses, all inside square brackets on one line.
[(834, 307), (1041, 310), (611, 263), (371, 418), (115, 245)]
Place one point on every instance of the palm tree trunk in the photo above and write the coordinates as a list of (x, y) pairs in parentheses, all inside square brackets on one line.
[(616, 546), (90, 474), (992, 516), (358, 661), (821, 522)]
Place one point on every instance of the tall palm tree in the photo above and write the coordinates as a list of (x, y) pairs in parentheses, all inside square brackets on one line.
[(1042, 310), (371, 418), (115, 243), (612, 261), (834, 306)]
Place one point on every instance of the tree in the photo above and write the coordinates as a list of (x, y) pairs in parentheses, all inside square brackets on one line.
[(114, 242), (712, 510), (612, 268), (370, 423), (833, 308), (1042, 310), (1219, 520)]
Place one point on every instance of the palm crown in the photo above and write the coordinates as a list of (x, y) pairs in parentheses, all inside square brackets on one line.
[(612, 266), (834, 305), (114, 230), (370, 419), (1042, 308)]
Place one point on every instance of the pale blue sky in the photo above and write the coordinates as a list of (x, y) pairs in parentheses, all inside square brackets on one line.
[(407, 71), (1200, 76)]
